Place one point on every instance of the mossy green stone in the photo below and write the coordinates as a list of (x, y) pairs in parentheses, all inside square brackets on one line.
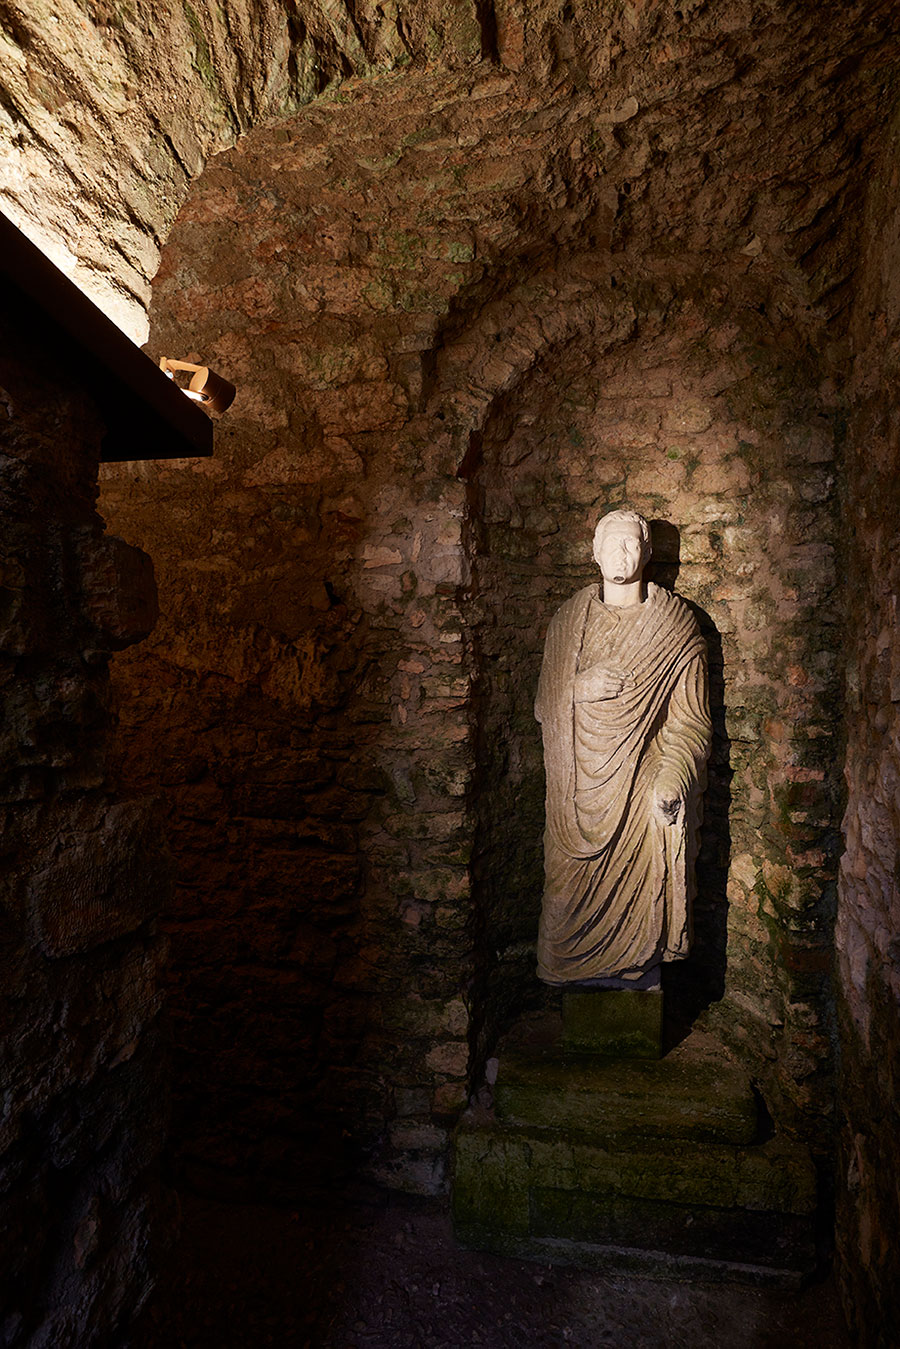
[(693, 1093), (619, 1023), (652, 1165), (493, 1173), (680, 1229), (537, 1194)]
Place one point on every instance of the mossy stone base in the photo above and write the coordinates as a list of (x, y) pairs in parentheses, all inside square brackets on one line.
[(654, 1166), (694, 1093), (614, 1022), (739, 1213)]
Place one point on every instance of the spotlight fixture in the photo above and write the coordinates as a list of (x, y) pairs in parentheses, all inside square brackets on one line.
[(213, 392)]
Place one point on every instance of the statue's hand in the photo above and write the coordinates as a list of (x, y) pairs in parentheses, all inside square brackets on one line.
[(598, 683), (668, 800)]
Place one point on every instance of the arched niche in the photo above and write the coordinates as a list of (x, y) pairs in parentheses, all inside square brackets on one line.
[(694, 412)]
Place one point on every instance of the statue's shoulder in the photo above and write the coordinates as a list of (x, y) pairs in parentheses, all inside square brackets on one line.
[(574, 607), (673, 607), (666, 599)]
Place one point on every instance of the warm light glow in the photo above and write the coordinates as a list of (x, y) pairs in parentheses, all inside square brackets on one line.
[(205, 387)]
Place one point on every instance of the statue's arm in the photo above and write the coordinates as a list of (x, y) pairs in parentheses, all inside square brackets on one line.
[(560, 647), (684, 740), (546, 680)]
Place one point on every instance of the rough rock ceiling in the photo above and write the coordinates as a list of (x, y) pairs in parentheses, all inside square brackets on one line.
[(730, 126)]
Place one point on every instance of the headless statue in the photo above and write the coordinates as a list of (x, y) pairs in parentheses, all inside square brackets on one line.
[(624, 712)]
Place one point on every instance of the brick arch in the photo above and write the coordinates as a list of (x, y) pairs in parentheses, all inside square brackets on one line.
[(509, 338), (701, 413)]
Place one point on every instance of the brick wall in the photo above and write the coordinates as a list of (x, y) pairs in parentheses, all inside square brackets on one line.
[(337, 702), (868, 918)]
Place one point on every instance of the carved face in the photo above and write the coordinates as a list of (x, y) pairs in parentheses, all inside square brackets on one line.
[(620, 553)]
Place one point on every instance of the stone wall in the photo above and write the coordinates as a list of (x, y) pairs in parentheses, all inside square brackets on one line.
[(455, 342), (868, 919), (83, 874), (315, 743)]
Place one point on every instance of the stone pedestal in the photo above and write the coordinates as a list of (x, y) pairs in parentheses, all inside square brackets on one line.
[(656, 1165), (614, 1022)]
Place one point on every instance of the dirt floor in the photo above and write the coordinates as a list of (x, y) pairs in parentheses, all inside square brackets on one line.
[(386, 1273)]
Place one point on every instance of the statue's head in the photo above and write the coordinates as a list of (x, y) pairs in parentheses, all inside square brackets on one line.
[(622, 546)]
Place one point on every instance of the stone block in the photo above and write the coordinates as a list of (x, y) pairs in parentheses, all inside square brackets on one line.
[(693, 1093), (490, 1191), (654, 1207), (620, 1023), (655, 1166), (110, 879), (119, 590), (688, 1230)]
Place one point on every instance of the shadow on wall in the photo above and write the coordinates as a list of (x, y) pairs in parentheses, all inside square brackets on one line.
[(693, 984)]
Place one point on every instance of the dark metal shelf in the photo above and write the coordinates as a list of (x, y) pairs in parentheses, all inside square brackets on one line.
[(146, 414)]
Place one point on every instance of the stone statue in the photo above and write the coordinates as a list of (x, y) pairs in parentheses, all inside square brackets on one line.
[(624, 711)]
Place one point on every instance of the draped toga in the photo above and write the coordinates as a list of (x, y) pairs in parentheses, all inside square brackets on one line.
[(617, 873)]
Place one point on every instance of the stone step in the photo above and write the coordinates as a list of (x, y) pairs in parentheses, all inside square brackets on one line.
[(694, 1093), (656, 1206), (645, 1165)]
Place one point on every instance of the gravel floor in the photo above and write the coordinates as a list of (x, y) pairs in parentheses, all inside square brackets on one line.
[(387, 1273)]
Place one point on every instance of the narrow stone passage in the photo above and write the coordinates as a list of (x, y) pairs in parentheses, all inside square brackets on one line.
[(386, 1272)]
